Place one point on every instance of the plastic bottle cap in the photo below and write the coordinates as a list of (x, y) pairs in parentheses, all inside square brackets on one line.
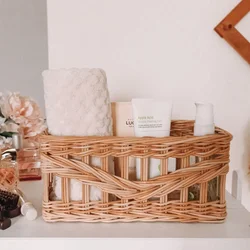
[(31, 214), (29, 211)]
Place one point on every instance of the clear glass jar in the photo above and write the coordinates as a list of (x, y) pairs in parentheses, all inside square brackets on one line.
[(29, 161), (28, 157), (9, 174)]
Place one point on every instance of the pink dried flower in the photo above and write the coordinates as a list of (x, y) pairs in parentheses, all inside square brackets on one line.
[(23, 111), (34, 128)]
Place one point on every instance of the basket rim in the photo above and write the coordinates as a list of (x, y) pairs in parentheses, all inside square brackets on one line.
[(219, 134)]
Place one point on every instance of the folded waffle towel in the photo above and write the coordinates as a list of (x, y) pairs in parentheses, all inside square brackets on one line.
[(77, 103)]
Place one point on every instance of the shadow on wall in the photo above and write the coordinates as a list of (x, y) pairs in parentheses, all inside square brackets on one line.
[(242, 174), (236, 185)]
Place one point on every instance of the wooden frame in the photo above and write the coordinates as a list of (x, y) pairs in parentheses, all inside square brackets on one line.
[(226, 29)]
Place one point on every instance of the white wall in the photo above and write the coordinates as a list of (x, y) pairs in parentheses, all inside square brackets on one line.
[(163, 48), (23, 46)]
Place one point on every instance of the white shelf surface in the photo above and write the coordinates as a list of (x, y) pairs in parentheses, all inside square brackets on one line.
[(236, 226)]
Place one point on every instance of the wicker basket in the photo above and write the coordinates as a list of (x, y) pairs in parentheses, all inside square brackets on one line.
[(194, 192)]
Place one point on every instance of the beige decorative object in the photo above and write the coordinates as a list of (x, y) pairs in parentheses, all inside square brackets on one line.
[(123, 126)]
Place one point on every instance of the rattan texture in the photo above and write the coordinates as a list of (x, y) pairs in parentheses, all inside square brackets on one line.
[(145, 199)]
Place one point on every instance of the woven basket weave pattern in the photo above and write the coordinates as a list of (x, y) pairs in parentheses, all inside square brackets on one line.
[(163, 198)]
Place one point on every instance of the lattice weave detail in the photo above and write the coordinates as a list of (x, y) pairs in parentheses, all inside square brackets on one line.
[(163, 198)]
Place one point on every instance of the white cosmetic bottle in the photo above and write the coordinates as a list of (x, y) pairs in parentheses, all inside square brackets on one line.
[(204, 125), (204, 120)]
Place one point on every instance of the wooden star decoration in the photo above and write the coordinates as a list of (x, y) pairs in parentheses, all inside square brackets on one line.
[(226, 29)]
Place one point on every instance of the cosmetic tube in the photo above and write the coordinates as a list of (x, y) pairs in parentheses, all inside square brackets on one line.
[(151, 118)]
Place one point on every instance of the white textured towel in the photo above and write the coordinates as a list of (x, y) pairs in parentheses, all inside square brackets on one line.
[(77, 104)]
